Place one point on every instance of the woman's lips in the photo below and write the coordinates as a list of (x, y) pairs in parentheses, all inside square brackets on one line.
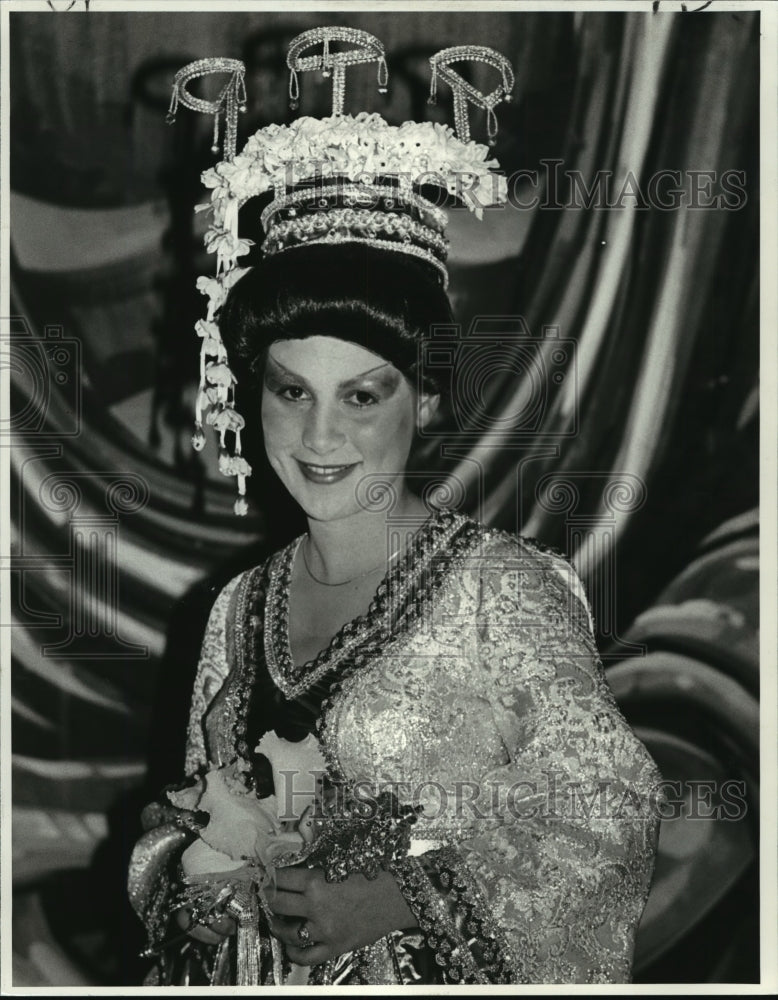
[(325, 474)]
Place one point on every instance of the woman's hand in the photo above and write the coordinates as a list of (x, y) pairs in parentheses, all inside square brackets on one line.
[(339, 916), (212, 933)]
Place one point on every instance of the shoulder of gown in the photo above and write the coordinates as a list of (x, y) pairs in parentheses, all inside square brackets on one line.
[(528, 570), (214, 665)]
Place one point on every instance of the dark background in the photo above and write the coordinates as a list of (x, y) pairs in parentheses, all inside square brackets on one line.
[(635, 450)]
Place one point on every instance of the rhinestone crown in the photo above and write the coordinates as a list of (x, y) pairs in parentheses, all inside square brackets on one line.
[(341, 179)]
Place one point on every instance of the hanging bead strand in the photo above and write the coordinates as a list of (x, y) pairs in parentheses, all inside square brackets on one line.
[(294, 90)]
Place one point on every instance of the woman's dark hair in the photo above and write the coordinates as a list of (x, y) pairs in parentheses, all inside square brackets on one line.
[(382, 300)]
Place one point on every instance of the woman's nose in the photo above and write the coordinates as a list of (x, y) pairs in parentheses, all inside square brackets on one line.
[(322, 434)]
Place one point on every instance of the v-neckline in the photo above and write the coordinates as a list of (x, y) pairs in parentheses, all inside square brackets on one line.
[(293, 680)]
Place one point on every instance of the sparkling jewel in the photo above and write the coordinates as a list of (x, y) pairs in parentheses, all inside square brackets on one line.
[(367, 48), (230, 98), (363, 196), (463, 90)]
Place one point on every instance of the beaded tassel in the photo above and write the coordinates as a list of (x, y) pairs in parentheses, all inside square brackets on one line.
[(245, 908), (216, 393)]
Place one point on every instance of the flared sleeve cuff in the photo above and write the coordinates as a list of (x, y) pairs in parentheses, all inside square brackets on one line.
[(153, 879)]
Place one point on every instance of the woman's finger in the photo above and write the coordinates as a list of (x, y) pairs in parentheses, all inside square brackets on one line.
[(286, 931), (225, 926), (294, 879), (197, 931), (209, 932), (203, 934), (306, 825), (289, 904)]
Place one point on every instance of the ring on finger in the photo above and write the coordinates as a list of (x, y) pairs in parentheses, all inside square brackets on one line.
[(304, 935)]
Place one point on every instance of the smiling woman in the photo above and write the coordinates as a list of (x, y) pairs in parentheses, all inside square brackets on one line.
[(411, 666), (330, 414), (337, 415), (342, 393), (404, 763)]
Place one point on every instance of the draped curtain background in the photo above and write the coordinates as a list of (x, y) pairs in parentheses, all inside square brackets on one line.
[(608, 406)]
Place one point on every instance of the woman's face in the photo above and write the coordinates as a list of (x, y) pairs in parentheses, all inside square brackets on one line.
[(332, 414)]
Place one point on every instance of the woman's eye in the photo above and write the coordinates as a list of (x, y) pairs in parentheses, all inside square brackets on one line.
[(292, 392), (361, 398)]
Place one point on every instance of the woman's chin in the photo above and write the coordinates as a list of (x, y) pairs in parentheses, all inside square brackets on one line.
[(329, 508), (326, 502)]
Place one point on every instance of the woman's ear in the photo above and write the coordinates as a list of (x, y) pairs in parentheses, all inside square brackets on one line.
[(427, 407)]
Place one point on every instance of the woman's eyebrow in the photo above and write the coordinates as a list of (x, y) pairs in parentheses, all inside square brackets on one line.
[(284, 371), (358, 378), (280, 371)]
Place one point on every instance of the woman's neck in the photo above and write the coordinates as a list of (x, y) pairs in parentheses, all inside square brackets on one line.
[(344, 548)]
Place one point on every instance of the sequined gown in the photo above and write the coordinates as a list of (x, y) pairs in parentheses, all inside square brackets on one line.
[(474, 685)]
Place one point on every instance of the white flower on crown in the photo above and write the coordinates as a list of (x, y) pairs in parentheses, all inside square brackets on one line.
[(280, 156)]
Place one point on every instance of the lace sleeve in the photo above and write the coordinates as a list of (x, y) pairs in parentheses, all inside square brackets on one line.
[(153, 865), (216, 657), (548, 885)]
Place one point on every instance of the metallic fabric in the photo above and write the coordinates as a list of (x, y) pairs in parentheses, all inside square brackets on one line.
[(473, 688)]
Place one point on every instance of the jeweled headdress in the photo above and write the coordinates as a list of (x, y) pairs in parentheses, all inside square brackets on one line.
[(342, 179)]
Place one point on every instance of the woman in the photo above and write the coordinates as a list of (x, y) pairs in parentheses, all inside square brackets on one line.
[(448, 668)]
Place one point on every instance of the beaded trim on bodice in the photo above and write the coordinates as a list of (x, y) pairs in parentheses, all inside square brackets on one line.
[(433, 537), (262, 633)]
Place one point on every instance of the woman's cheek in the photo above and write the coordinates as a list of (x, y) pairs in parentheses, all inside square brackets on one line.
[(397, 429), (384, 427), (278, 425)]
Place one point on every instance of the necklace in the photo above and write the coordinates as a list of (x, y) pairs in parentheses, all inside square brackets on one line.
[(342, 583)]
